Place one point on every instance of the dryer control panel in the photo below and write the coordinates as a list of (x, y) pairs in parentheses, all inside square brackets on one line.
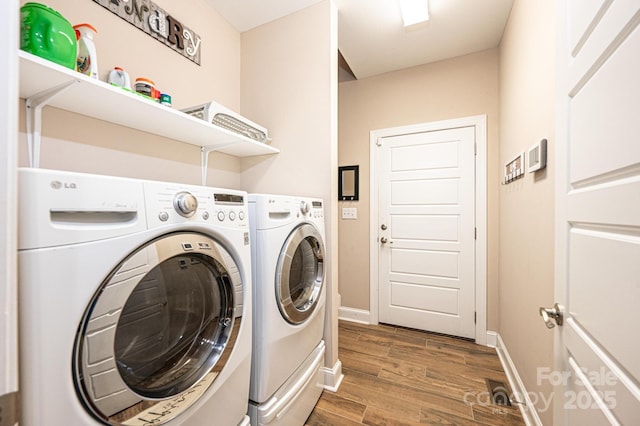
[(316, 209), (272, 211)]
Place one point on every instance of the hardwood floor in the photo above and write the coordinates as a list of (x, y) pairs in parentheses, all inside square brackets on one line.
[(399, 376)]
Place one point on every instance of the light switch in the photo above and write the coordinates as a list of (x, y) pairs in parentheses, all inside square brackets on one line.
[(349, 212)]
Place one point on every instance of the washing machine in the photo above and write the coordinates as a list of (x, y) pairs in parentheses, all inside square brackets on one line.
[(135, 302), (288, 264)]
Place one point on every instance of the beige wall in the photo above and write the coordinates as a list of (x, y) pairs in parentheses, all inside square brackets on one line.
[(527, 85), (72, 142), (289, 84), (454, 88)]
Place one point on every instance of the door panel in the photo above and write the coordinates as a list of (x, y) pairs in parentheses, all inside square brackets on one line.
[(611, 111), (427, 204), (425, 262), (424, 192), (426, 227), (605, 262), (434, 299), (425, 157), (598, 275), (584, 18), (624, 405)]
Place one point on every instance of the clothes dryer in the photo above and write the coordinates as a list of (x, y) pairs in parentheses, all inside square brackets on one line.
[(135, 302), (288, 261)]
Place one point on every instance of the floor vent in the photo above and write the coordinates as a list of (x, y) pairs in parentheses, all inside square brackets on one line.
[(499, 392)]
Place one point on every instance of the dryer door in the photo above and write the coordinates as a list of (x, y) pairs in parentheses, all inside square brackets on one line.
[(300, 274), (159, 330)]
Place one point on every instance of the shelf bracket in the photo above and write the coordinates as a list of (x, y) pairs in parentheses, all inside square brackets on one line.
[(35, 104), (204, 158)]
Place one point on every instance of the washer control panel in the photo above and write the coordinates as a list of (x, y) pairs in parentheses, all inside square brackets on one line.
[(185, 203), (169, 203)]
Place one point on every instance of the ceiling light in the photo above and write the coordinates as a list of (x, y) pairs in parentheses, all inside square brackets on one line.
[(414, 11)]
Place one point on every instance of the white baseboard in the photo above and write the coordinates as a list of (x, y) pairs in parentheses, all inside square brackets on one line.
[(528, 410), (354, 315), (333, 376), (492, 339)]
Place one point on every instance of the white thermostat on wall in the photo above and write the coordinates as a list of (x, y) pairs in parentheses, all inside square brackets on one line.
[(537, 156)]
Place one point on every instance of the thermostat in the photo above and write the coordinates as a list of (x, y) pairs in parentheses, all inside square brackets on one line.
[(538, 156)]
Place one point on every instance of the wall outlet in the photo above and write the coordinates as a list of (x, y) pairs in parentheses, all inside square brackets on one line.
[(349, 212)]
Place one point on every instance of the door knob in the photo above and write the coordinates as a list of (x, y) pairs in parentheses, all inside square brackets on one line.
[(552, 316), (383, 240)]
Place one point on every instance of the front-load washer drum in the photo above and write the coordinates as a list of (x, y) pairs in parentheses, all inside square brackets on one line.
[(159, 330), (300, 274)]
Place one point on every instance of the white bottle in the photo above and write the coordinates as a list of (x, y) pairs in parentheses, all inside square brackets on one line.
[(87, 60), (119, 77)]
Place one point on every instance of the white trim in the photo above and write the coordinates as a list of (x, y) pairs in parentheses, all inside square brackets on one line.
[(492, 339), (480, 124), (354, 315), (527, 409), (333, 376), (9, 33), (373, 229), (561, 172)]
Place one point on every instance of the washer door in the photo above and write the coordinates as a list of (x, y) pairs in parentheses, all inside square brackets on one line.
[(159, 330), (300, 274)]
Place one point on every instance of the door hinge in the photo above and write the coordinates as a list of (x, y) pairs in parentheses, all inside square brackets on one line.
[(475, 233), (475, 149), (475, 317), (9, 409), (379, 142)]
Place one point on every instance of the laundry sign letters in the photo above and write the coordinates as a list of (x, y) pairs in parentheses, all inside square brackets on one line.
[(147, 16)]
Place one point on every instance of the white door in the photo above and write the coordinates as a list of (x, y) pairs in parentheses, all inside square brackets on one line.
[(426, 264), (598, 218)]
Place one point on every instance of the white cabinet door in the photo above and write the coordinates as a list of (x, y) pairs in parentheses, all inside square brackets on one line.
[(598, 218)]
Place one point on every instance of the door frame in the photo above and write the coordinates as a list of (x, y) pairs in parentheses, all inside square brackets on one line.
[(480, 124)]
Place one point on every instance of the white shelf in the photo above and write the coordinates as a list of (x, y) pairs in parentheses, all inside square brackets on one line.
[(103, 101)]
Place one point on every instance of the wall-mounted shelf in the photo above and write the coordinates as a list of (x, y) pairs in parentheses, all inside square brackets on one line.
[(46, 83)]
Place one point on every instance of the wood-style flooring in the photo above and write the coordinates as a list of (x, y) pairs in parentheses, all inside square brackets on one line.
[(399, 376)]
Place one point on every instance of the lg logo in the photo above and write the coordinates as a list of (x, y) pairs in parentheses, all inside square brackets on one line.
[(56, 184)]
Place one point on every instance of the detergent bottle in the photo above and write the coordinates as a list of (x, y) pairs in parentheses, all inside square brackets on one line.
[(87, 61), (119, 77)]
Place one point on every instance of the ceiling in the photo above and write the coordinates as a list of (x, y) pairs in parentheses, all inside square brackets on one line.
[(371, 37)]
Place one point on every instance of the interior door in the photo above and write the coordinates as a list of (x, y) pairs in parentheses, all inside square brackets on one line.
[(426, 257), (598, 220)]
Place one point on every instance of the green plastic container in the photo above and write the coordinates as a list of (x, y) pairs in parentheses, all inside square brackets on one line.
[(46, 33)]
